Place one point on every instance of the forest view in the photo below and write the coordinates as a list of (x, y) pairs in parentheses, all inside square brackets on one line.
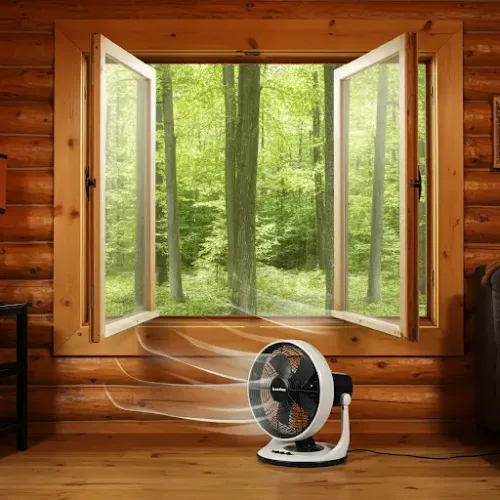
[(244, 191)]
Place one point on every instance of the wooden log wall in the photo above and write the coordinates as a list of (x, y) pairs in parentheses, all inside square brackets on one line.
[(71, 389)]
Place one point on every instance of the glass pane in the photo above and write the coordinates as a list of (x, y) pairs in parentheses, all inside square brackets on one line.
[(125, 128), (423, 228), (372, 157)]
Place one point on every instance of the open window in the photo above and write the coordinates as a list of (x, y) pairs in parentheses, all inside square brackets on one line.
[(381, 88), (122, 133)]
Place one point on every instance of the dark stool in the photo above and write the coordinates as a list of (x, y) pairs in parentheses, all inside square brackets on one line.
[(20, 369)]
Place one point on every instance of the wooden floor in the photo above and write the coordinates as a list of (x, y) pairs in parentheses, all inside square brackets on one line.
[(209, 467)]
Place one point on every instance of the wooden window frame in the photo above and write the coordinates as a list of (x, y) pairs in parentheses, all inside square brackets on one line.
[(266, 41)]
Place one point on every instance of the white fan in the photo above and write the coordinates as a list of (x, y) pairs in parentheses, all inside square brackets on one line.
[(291, 391)]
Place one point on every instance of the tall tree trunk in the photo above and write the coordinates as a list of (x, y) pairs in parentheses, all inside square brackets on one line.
[(319, 191), (377, 222), (328, 71), (161, 257), (422, 226), (230, 105), (244, 295), (173, 238)]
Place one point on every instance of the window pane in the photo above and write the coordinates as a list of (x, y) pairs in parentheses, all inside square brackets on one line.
[(373, 190), (125, 191)]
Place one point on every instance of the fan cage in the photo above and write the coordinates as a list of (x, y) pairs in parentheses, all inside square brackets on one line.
[(289, 418)]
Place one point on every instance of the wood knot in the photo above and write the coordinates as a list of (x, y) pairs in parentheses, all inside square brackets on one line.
[(250, 5), (3, 251), (468, 53), (483, 217), (71, 143), (253, 43), (427, 25), (333, 360), (382, 364), (93, 380), (331, 23), (416, 375), (74, 213), (173, 35), (67, 303), (142, 403), (18, 114), (354, 339), (33, 270)]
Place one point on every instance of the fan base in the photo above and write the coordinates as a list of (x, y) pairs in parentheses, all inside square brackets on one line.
[(276, 453)]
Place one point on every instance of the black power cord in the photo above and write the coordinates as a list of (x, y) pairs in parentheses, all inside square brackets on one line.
[(423, 457)]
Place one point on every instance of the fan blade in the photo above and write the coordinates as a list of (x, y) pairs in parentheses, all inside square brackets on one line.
[(283, 414), (304, 371), (281, 364), (306, 403)]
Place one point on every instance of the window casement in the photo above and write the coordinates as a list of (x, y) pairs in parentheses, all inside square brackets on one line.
[(87, 78)]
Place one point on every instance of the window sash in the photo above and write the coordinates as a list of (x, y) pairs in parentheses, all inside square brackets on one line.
[(101, 49), (405, 47)]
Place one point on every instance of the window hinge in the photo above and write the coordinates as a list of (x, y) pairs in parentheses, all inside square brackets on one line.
[(88, 182), (92, 297), (417, 183)]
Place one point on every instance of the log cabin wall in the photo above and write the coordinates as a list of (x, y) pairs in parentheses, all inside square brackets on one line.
[(70, 389)]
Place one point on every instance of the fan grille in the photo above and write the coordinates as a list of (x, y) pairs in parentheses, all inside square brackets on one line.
[(295, 412)]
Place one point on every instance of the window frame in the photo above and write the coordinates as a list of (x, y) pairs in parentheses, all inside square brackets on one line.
[(265, 41)]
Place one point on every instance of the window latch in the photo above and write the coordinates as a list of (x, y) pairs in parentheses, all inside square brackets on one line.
[(417, 183), (88, 182)]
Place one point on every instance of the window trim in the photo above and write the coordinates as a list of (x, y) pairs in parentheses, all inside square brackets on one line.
[(231, 40)]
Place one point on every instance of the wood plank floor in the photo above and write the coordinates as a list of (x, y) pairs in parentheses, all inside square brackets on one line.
[(86, 467)]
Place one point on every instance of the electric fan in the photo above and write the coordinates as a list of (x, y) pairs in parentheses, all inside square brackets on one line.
[(291, 391)]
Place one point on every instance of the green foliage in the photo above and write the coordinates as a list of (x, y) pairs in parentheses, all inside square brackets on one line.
[(289, 278)]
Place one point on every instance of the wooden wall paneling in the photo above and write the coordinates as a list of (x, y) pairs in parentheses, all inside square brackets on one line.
[(38, 292), (35, 84), (26, 261), (39, 332), (24, 117), (371, 402), (26, 49), (27, 151), (30, 186), (482, 188), (482, 49), (478, 117), (478, 152), (46, 370), (38, 15), (482, 224), (481, 83), (27, 223), (479, 255)]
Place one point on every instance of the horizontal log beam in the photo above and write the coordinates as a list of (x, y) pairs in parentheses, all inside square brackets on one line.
[(482, 49), (26, 118), (46, 370), (26, 84), (481, 83), (39, 332), (475, 256), (482, 224), (30, 187), (25, 223), (26, 49), (28, 151), (482, 188), (38, 292), (35, 15), (478, 117), (92, 403), (26, 261), (478, 152)]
